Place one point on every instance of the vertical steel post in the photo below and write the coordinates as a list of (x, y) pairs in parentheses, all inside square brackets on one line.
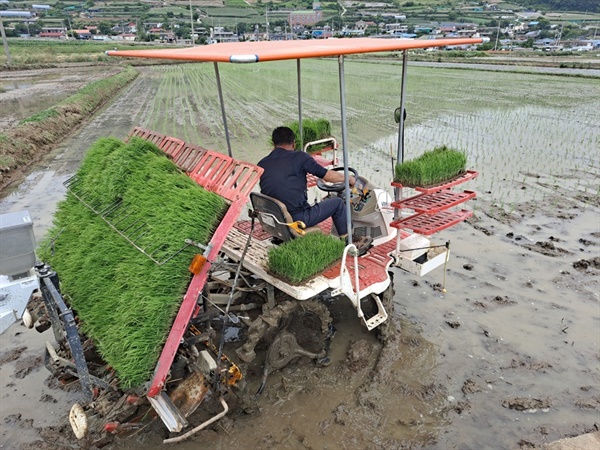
[(345, 146), (223, 109), (400, 151), (400, 155), (300, 129)]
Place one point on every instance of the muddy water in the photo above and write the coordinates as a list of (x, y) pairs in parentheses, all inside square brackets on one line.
[(508, 357)]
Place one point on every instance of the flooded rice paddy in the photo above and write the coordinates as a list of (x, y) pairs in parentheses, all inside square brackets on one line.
[(508, 357)]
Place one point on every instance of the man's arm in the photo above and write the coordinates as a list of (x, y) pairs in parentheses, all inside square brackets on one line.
[(335, 176)]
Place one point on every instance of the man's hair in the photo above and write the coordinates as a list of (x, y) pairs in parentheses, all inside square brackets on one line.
[(283, 135)]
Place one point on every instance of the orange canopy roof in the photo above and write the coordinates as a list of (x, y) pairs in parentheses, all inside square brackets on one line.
[(249, 52)]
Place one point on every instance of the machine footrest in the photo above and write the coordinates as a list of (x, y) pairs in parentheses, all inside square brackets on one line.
[(378, 318)]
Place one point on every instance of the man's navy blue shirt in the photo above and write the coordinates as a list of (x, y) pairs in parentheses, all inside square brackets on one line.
[(284, 177)]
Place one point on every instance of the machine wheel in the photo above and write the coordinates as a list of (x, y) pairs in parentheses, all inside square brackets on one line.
[(291, 329), (79, 421), (307, 322)]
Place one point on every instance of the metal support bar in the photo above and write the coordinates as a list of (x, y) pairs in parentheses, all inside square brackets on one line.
[(71, 368), (400, 155), (53, 297), (300, 128), (270, 296), (345, 146), (400, 151), (218, 77)]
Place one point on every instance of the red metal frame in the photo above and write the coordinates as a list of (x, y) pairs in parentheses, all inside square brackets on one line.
[(435, 202), (428, 224), (227, 177)]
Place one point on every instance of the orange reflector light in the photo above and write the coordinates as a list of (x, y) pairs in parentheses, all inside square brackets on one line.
[(196, 264)]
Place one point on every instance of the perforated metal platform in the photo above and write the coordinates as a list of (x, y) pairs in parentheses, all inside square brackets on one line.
[(434, 202), (427, 225), (373, 267)]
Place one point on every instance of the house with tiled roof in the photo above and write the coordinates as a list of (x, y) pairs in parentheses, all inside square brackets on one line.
[(52, 35), (83, 34)]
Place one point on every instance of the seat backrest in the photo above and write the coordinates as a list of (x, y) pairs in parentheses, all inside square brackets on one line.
[(269, 209)]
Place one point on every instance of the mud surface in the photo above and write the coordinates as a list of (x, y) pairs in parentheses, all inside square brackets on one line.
[(507, 357)]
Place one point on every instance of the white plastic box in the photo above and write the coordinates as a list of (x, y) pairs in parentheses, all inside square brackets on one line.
[(413, 246), (17, 243)]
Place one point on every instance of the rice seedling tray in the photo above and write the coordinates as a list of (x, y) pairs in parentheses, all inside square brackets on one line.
[(300, 259), (428, 224), (434, 202), (462, 178)]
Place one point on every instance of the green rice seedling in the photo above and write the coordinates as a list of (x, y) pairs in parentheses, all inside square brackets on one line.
[(125, 301), (432, 167), (300, 259), (312, 130)]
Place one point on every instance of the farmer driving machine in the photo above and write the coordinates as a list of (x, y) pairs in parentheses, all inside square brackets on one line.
[(234, 293)]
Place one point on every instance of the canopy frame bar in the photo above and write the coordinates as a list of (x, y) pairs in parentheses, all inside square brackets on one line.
[(345, 145), (300, 128), (223, 115)]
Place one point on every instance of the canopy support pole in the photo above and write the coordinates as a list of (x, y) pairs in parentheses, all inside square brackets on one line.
[(400, 151), (345, 146), (300, 128), (218, 77), (400, 155)]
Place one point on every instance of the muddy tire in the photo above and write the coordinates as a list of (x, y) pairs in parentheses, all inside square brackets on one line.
[(309, 321)]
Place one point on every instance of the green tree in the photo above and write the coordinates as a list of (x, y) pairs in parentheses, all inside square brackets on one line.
[(104, 27), (184, 30)]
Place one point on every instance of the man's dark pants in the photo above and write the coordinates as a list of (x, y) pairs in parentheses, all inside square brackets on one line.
[(331, 207)]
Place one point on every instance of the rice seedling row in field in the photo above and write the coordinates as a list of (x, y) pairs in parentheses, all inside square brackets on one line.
[(20, 144), (126, 301), (506, 123)]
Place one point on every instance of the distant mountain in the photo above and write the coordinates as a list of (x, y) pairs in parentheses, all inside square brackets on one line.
[(590, 6)]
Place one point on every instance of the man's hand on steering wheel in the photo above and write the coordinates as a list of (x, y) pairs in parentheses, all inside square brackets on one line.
[(333, 181)]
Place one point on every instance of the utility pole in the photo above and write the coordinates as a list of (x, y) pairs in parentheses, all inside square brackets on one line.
[(5, 42), (267, 21), (497, 35), (192, 21)]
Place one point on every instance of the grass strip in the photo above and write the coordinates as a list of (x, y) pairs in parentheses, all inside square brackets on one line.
[(432, 167), (312, 130), (29, 140), (300, 259), (124, 301)]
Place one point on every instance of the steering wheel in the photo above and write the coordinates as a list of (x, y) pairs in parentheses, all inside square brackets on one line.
[(336, 187)]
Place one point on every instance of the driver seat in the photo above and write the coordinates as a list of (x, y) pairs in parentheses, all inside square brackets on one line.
[(270, 211)]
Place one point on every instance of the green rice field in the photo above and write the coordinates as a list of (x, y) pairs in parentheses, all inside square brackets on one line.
[(514, 127)]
